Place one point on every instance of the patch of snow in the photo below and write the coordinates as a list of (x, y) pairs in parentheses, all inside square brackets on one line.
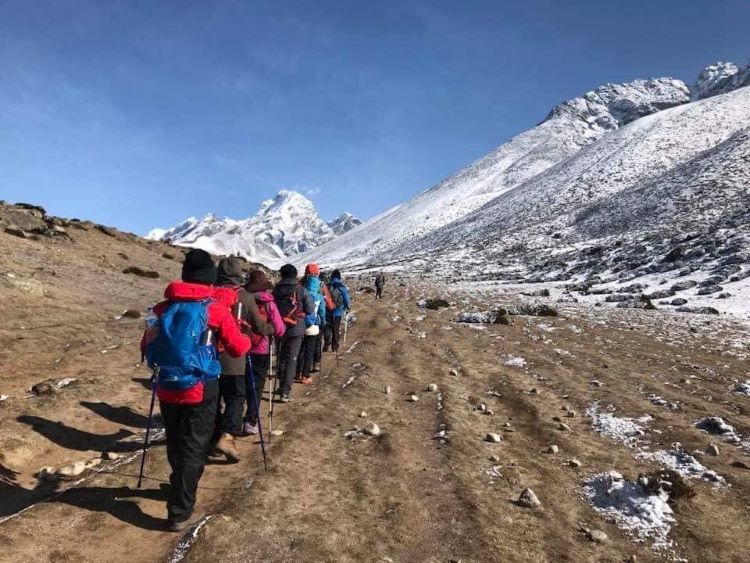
[(683, 463), (628, 431), (515, 361), (632, 507)]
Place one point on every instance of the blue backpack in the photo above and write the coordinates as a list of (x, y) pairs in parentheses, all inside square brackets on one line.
[(178, 356)]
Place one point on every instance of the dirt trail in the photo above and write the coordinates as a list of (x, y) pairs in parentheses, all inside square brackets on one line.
[(406, 496)]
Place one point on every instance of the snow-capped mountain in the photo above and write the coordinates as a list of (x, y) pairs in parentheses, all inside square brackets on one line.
[(627, 182), (567, 129), (283, 226)]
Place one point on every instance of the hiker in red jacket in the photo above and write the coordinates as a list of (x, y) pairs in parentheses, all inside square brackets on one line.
[(189, 427)]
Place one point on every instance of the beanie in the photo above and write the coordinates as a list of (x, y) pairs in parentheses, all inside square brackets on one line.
[(288, 271), (312, 269), (199, 267), (257, 282), (230, 271), (336, 274)]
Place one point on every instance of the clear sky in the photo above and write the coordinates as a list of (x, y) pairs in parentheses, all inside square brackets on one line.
[(139, 113)]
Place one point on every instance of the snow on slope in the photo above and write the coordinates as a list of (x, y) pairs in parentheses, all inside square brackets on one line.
[(568, 128), (284, 226)]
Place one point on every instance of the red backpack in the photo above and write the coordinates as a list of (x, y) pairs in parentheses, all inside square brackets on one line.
[(230, 296)]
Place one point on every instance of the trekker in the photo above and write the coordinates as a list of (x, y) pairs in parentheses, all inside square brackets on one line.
[(379, 284), (325, 279), (296, 308), (259, 286), (340, 296), (311, 350), (232, 384), (187, 368)]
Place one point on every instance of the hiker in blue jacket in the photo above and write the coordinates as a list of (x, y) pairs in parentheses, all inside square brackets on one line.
[(340, 296)]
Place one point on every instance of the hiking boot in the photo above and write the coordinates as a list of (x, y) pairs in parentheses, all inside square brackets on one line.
[(227, 446), (286, 398), (249, 429), (180, 525), (298, 378), (315, 368)]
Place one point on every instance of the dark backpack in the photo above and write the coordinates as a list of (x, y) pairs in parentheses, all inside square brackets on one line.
[(289, 304), (338, 297), (178, 354)]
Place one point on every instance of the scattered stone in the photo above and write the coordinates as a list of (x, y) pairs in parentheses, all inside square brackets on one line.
[(436, 304), (413, 398), (363, 414), (553, 449), (574, 463), (387, 390), (493, 437), (596, 383), (481, 407), (131, 314), (372, 429), (76, 469), (277, 432), (453, 372), (136, 271), (570, 414), (432, 387), (494, 458), (489, 412), (563, 427), (712, 449), (528, 499), (534, 310), (597, 536), (111, 456), (678, 301), (697, 310)]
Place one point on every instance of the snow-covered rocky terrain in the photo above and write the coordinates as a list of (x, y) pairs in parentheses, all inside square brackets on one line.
[(631, 190), (284, 226)]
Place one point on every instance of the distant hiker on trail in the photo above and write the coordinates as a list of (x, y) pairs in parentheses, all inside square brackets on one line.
[(232, 385), (295, 307), (181, 347), (314, 325), (259, 286), (340, 296), (379, 284)]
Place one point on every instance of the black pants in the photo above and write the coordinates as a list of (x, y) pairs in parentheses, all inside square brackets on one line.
[(288, 354), (232, 392), (378, 291), (189, 430), (328, 331), (335, 333), (259, 372), (309, 354)]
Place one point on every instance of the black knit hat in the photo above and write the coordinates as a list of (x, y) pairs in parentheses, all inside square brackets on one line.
[(257, 282), (198, 267), (288, 271), (336, 274)]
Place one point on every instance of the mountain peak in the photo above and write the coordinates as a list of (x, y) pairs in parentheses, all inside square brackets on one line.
[(719, 78)]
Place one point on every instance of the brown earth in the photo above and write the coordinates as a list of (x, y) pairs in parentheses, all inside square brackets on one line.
[(403, 496)]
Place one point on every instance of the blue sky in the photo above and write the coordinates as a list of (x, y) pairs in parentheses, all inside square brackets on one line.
[(141, 113)]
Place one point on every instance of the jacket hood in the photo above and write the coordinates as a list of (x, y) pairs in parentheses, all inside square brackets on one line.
[(186, 291), (226, 295), (312, 283)]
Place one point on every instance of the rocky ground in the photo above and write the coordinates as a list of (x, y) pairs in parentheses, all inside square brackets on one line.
[(586, 409)]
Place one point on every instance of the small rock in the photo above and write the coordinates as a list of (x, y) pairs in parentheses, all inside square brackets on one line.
[(413, 398), (387, 390), (712, 449), (372, 429), (528, 499), (277, 432), (596, 383), (570, 414), (494, 458), (131, 314), (563, 427), (363, 414), (481, 407), (556, 419), (597, 536), (489, 412), (48, 474), (432, 387), (453, 372), (574, 463), (493, 437), (111, 456), (553, 449), (76, 469)]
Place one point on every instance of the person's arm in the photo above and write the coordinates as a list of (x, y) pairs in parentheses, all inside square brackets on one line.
[(276, 320), (234, 342), (345, 295)]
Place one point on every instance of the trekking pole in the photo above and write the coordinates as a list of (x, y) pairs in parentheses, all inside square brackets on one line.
[(346, 324), (256, 399), (148, 425), (271, 347)]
